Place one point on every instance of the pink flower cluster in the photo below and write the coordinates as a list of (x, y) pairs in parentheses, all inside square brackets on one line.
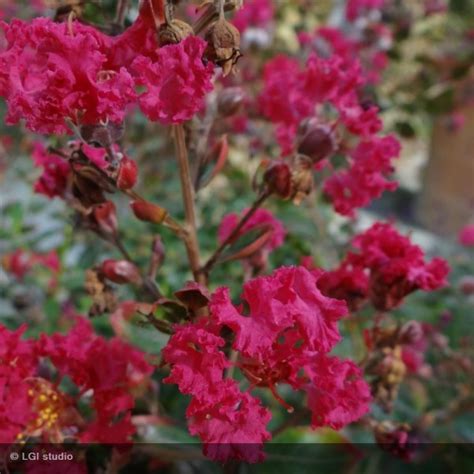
[(177, 82), (283, 338), (48, 81), (369, 45), (366, 177), (56, 172), (466, 236), (385, 267), (32, 404), (292, 94)]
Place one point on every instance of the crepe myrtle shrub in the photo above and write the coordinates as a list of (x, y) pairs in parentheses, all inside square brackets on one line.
[(68, 78)]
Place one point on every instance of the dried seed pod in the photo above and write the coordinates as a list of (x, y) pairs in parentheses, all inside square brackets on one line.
[(173, 32), (278, 179), (317, 143), (223, 45), (103, 298)]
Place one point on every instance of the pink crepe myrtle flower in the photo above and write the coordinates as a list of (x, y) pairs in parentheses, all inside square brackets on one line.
[(392, 265), (47, 79), (284, 338), (337, 394), (19, 262), (289, 298), (365, 178), (466, 236), (31, 405), (254, 13), (54, 179), (346, 283), (293, 95), (176, 82)]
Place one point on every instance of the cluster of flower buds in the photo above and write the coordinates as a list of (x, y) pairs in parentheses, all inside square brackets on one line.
[(293, 178)]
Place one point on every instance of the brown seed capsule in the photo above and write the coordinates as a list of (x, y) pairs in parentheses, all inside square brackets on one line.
[(278, 179), (223, 45), (317, 143), (173, 32)]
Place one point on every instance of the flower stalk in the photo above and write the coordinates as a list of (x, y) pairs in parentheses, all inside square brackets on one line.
[(187, 190)]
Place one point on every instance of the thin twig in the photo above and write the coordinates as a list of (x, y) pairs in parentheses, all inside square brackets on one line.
[(147, 283), (121, 12), (250, 212), (187, 190)]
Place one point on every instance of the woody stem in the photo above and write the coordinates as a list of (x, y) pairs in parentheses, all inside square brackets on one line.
[(187, 190), (251, 211)]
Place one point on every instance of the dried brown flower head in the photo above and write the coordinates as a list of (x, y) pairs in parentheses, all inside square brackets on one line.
[(173, 32), (223, 45)]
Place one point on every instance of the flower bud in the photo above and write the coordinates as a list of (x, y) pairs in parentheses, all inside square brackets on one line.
[(157, 256), (317, 143), (466, 285), (223, 45), (173, 32), (229, 100), (127, 173), (148, 212), (278, 179), (410, 332), (120, 271), (106, 217)]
